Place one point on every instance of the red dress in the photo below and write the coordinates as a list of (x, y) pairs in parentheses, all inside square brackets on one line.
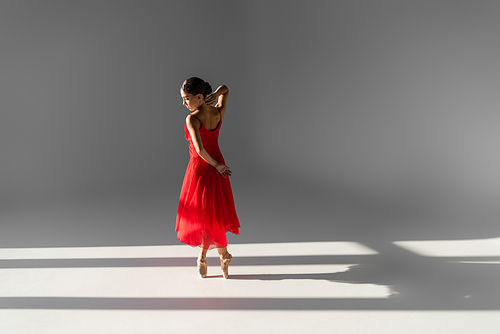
[(206, 206)]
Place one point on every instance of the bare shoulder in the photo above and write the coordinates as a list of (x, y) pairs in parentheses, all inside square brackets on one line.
[(191, 120)]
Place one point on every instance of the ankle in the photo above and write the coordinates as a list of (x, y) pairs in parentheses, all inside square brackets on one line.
[(223, 253)]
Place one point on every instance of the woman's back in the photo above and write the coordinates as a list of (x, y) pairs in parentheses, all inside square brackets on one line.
[(210, 118), (208, 136)]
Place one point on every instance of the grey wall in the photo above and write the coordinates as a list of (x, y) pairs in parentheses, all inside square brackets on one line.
[(384, 98), (90, 91)]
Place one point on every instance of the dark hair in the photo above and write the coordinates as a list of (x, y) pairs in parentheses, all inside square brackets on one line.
[(195, 86)]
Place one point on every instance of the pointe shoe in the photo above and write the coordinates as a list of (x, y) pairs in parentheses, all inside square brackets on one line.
[(202, 267), (224, 264)]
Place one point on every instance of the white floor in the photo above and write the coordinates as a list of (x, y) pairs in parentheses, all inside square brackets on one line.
[(114, 265), (156, 289)]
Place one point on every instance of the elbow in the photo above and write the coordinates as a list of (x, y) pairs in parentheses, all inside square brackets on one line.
[(224, 89), (199, 151)]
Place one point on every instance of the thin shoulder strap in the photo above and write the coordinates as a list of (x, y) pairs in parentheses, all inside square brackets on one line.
[(198, 120), (195, 117)]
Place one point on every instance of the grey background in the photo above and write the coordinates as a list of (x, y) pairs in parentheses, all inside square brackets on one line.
[(366, 121), (90, 91), (389, 103)]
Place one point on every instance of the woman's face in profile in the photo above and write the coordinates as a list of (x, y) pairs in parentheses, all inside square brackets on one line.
[(190, 101)]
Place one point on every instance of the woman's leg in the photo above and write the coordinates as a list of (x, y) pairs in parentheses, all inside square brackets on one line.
[(206, 239), (203, 253), (225, 258), (202, 263)]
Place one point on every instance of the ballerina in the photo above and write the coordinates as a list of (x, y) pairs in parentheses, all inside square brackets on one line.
[(206, 206)]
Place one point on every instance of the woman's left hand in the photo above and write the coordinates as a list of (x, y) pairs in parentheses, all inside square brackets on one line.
[(223, 169), (211, 99)]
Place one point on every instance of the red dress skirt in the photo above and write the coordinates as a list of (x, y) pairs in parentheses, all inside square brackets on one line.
[(206, 207)]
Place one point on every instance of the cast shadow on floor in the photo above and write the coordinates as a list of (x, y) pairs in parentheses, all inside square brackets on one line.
[(302, 212), (287, 211), (417, 284)]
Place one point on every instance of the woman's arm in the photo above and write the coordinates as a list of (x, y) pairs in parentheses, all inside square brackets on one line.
[(193, 126), (221, 94)]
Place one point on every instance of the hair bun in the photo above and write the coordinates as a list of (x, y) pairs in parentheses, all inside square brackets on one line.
[(208, 88), (195, 85)]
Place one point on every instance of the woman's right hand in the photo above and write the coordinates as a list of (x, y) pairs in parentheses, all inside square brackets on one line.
[(211, 99), (223, 169)]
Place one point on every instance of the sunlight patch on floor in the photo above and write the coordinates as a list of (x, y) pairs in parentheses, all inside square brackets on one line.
[(115, 252), (300, 281), (453, 248), (303, 249), (267, 249)]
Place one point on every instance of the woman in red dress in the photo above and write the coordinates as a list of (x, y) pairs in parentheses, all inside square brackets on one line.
[(206, 206)]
